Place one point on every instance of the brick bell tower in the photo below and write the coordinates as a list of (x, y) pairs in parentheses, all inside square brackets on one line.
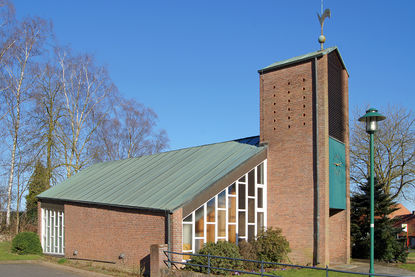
[(304, 121)]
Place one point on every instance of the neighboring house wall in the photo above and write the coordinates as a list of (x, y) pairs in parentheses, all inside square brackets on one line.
[(287, 125), (103, 233)]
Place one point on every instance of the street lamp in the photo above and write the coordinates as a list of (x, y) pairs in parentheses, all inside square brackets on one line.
[(371, 118)]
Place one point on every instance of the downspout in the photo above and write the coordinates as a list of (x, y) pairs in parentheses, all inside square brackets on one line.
[(317, 185), (169, 248)]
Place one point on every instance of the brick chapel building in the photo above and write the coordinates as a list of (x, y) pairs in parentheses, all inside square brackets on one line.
[(294, 176)]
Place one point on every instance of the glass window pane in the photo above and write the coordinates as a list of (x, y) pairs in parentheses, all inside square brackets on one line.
[(251, 183), (232, 189), (251, 210), (188, 218), (221, 223), (187, 236), (260, 174), (241, 197), (211, 210), (222, 199), (251, 233), (232, 209), (260, 223), (242, 179), (241, 224), (210, 236), (260, 198), (232, 233), (199, 222), (198, 244)]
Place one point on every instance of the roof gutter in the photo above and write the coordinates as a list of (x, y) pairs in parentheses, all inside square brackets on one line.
[(63, 201)]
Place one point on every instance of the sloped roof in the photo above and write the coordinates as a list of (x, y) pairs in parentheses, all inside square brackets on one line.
[(163, 181), (302, 58), (401, 210)]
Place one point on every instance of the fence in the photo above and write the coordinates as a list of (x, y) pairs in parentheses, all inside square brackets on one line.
[(261, 264)]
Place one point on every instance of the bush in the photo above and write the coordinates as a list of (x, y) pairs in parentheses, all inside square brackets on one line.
[(248, 252), (26, 243), (272, 246), (221, 248)]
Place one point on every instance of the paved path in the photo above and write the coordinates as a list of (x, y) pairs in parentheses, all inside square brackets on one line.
[(42, 270), (381, 269)]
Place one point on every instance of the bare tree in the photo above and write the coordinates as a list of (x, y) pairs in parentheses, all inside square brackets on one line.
[(394, 152), (87, 91), (31, 33), (129, 132), (47, 113)]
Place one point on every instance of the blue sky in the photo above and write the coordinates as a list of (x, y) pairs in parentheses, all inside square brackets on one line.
[(195, 62)]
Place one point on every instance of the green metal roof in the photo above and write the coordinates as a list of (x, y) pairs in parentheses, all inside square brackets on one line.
[(163, 181), (302, 58)]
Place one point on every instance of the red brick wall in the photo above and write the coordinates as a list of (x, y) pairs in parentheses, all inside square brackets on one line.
[(102, 234), (176, 234), (286, 120)]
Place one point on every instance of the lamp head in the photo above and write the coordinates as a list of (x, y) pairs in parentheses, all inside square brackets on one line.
[(371, 118)]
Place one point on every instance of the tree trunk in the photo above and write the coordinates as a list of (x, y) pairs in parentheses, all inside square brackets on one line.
[(12, 164)]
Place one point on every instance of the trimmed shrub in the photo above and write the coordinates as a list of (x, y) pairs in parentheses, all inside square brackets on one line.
[(221, 248), (248, 252), (272, 246), (26, 243)]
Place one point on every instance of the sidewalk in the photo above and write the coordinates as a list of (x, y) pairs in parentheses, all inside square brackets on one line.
[(361, 266)]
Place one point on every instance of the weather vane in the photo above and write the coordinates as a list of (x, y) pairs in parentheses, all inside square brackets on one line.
[(321, 18)]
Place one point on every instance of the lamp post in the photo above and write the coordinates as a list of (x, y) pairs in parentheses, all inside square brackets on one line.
[(371, 118)]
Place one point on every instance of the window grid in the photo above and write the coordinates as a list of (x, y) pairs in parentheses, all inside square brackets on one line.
[(221, 212), (53, 231)]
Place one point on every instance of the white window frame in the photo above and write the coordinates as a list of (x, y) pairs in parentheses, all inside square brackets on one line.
[(53, 230), (226, 209)]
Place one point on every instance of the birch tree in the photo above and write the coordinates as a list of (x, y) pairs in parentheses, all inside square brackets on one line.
[(87, 91), (31, 33)]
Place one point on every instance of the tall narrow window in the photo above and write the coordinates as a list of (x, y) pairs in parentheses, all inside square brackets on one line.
[(53, 229)]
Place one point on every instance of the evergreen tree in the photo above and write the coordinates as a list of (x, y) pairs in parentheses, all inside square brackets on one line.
[(38, 183), (387, 247)]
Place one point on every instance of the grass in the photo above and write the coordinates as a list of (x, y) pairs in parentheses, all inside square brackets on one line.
[(410, 262), (410, 267), (7, 255), (304, 272)]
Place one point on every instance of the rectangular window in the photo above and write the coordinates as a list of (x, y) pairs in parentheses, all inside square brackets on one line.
[(242, 224), (260, 174), (210, 233), (260, 198), (187, 237), (232, 209), (199, 223), (251, 183), (211, 210), (53, 229), (241, 196), (221, 223)]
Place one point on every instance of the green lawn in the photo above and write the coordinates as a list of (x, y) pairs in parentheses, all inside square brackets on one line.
[(6, 255), (304, 272)]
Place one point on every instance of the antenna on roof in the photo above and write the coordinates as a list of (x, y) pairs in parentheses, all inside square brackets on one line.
[(321, 18)]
